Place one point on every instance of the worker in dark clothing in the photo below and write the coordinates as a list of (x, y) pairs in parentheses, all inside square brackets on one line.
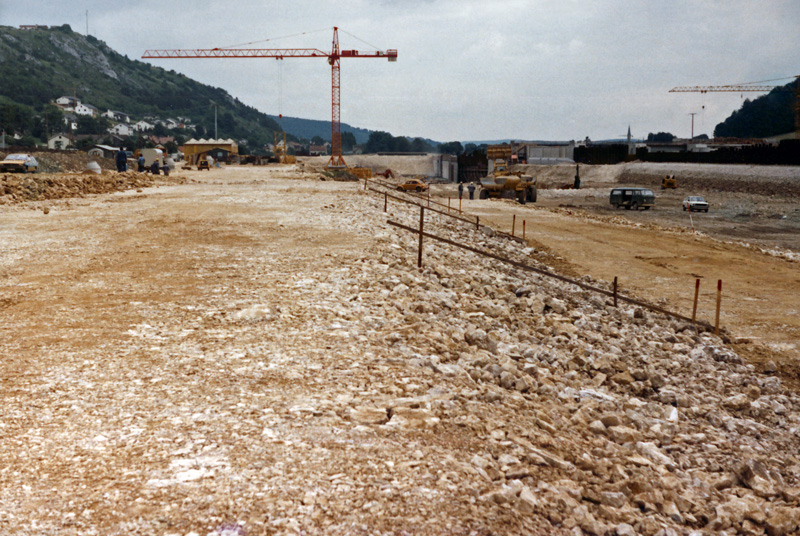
[(577, 184), (460, 189), (471, 188), (122, 161), (140, 161), (154, 168)]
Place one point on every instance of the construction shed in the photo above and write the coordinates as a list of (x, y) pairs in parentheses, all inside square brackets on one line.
[(221, 150)]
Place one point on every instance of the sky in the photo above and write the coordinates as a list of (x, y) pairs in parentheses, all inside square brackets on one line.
[(467, 70)]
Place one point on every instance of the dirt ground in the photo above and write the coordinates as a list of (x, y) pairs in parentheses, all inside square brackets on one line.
[(215, 356), (750, 241)]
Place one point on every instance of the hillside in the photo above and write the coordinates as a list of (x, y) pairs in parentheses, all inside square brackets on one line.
[(38, 66), (768, 115)]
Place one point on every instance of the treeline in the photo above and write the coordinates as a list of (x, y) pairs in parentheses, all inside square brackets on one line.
[(769, 115)]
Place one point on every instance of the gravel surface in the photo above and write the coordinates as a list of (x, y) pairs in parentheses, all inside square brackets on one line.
[(256, 352)]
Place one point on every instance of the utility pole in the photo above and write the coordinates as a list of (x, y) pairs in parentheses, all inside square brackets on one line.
[(214, 104), (693, 114)]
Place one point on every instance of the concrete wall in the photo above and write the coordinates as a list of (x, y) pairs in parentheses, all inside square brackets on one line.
[(429, 165)]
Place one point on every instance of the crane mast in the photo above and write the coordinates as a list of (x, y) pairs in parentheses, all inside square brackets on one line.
[(336, 160)]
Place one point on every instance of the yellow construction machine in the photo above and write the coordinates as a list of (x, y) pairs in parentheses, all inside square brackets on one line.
[(669, 181), (501, 182)]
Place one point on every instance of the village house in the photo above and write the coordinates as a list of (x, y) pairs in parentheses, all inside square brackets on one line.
[(120, 117), (121, 129), (59, 141), (143, 126), (67, 103), (86, 109)]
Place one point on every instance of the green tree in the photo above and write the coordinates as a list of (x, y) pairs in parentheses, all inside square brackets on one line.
[(661, 137), (348, 141), (451, 147), (317, 140)]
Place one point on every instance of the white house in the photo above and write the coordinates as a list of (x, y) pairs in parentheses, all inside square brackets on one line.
[(67, 103), (86, 109), (121, 129), (59, 141), (142, 126), (117, 116), (71, 122)]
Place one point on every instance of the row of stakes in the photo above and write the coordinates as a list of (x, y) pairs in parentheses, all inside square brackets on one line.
[(513, 231)]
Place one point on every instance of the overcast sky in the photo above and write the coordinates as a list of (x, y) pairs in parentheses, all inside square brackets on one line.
[(466, 69)]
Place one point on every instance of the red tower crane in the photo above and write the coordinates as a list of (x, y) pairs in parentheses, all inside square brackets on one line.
[(334, 56)]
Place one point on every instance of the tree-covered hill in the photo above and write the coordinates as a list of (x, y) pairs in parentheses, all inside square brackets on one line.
[(37, 66), (769, 115)]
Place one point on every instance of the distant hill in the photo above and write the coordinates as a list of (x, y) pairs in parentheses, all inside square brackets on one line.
[(37, 66), (308, 128), (768, 115)]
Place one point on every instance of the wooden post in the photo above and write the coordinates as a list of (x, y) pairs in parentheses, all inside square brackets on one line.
[(477, 222), (448, 205), (459, 205), (696, 295), (523, 229), (719, 301), (429, 197), (513, 224), (385, 201), (615, 291), (421, 225), (365, 183)]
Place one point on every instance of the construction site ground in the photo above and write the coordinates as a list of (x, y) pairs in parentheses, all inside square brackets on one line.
[(250, 350), (749, 239)]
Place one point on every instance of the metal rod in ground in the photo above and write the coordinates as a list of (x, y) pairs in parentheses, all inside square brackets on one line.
[(719, 301), (696, 295), (459, 205), (448, 204), (429, 197), (615, 291), (547, 273), (477, 222), (385, 201), (421, 233), (513, 223), (523, 229)]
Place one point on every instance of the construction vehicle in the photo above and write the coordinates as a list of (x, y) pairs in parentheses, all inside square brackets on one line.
[(501, 182), (669, 181), (202, 163), (282, 150)]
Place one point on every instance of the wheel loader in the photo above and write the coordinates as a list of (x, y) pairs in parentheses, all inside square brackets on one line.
[(503, 183)]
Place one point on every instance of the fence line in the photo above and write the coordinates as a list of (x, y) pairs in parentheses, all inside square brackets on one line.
[(616, 296)]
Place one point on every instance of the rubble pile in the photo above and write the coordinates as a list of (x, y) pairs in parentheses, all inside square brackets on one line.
[(17, 188), (68, 161), (624, 422)]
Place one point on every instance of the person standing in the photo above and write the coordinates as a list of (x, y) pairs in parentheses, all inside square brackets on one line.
[(140, 161), (122, 160), (471, 189), (460, 189), (155, 168)]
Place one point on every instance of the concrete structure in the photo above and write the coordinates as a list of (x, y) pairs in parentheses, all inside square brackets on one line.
[(86, 109), (551, 153), (220, 149), (430, 166), (105, 151), (59, 141)]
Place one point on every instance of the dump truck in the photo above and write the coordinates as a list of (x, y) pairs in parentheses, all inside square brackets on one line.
[(501, 182)]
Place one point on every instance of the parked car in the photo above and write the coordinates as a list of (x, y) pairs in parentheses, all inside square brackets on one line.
[(413, 184), (632, 198), (25, 163), (695, 203)]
